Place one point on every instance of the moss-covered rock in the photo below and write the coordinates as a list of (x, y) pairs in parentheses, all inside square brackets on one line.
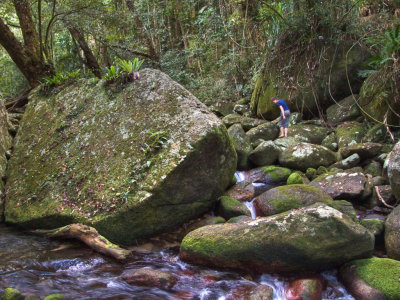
[(330, 142), (266, 153), (287, 197), (54, 297), (364, 150), (230, 207), (372, 278), (297, 178), (246, 122), (305, 155), (311, 239), (5, 145), (11, 294), (349, 133), (269, 174), (347, 163), (393, 170), (242, 145), (344, 110), (392, 234), (375, 226), (308, 133), (267, 131), (374, 168), (118, 158)]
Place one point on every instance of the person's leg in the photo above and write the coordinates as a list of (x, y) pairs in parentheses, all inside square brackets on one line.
[(286, 132), (282, 132)]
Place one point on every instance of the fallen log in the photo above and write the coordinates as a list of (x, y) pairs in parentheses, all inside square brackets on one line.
[(89, 236)]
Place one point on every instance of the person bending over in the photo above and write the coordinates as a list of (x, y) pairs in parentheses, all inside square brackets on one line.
[(284, 116)]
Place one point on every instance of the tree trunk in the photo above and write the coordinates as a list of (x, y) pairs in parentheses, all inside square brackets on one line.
[(91, 60)]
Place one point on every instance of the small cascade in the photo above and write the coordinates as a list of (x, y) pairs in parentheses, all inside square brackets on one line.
[(239, 175)]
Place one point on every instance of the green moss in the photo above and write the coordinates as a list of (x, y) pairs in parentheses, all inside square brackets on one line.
[(229, 207), (12, 294), (54, 297), (294, 178), (345, 207), (277, 173), (375, 226), (381, 274), (311, 173)]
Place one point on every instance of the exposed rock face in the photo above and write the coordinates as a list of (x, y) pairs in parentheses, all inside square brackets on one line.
[(304, 155), (314, 238), (344, 110), (120, 159), (345, 185), (5, 144), (393, 168), (372, 279), (392, 234), (287, 197)]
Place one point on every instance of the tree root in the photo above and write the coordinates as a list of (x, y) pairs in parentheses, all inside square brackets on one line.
[(89, 236)]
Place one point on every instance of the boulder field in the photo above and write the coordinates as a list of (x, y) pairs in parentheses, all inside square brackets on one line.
[(131, 160)]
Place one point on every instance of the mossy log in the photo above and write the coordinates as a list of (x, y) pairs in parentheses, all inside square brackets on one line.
[(90, 237)]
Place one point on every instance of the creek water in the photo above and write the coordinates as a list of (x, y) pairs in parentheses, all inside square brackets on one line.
[(41, 266)]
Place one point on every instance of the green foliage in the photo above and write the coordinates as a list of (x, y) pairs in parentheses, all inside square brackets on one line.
[(61, 78), (157, 140), (12, 82), (388, 46), (112, 73), (130, 66)]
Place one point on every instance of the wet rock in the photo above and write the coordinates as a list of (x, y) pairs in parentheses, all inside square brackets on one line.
[(393, 170), (344, 185), (349, 133), (372, 278), (392, 234), (229, 208), (150, 278), (267, 131), (242, 145), (364, 150), (261, 292), (344, 110), (117, 158), (305, 289), (315, 238), (305, 155), (284, 198), (308, 133), (266, 153), (348, 163), (242, 191)]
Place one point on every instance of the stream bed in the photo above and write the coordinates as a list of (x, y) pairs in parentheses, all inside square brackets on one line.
[(41, 266)]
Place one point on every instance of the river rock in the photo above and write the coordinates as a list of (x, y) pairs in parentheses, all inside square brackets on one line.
[(5, 144), (372, 278), (246, 122), (230, 207), (271, 175), (349, 133), (242, 145), (392, 234), (374, 168), (241, 191), (344, 110), (150, 278), (315, 238), (308, 133), (393, 170), (287, 197), (330, 142), (376, 134), (267, 131), (266, 153), (305, 288), (297, 178), (345, 207), (119, 158), (222, 108), (286, 142), (347, 163), (305, 155), (364, 150), (344, 185)]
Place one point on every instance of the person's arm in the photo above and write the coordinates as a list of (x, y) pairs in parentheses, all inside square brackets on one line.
[(282, 112)]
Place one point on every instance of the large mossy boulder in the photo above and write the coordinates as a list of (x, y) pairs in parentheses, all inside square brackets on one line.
[(393, 170), (267, 131), (349, 133), (287, 197), (304, 155), (392, 234), (315, 238), (271, 175), (308, 133), (131, 160), (5, 144), (242, 145), (293, 84), (372, 278), (376, 98), (266, 153), (344, 110)]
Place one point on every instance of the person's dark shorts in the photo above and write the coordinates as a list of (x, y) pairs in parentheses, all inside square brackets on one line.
[(285, 122)]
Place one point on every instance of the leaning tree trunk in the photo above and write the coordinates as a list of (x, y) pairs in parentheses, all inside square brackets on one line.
[(91, 60)]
